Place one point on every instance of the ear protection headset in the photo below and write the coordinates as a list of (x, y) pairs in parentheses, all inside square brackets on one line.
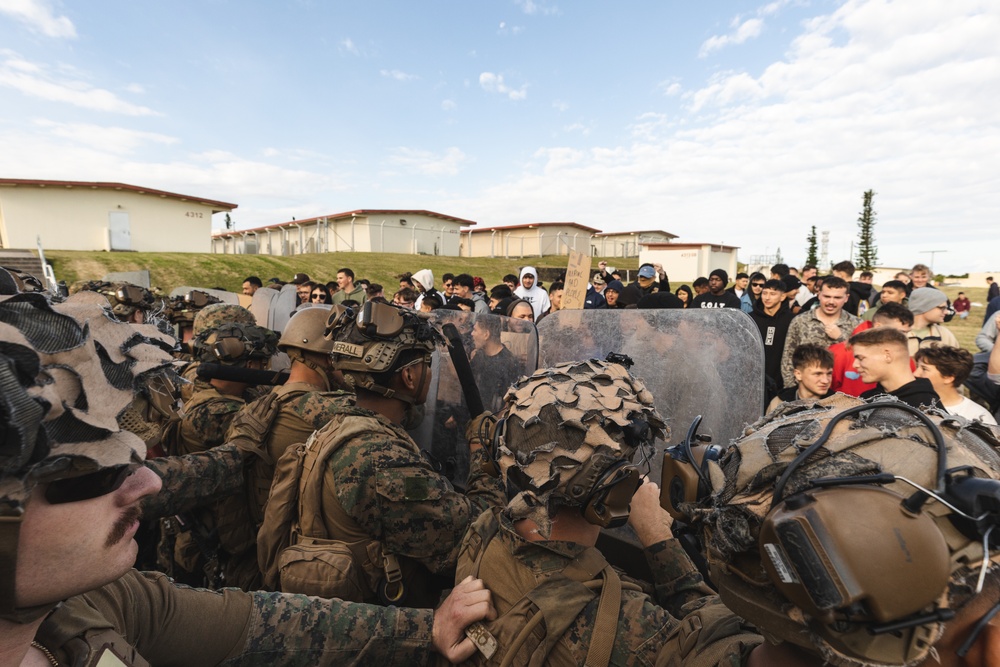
[(684, 477), (856, 556)]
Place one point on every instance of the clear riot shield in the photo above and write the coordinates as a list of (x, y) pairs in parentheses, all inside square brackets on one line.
[(273, 308), (221, 295), (695, 362), (494, 367)]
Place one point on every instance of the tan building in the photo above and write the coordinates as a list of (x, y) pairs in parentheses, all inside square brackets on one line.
[(684, 262), (531, 240), (395, 231), (78, 215), (626, 244)]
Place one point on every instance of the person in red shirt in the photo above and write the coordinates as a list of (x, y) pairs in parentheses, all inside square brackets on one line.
[(846, 380), (962, 305)]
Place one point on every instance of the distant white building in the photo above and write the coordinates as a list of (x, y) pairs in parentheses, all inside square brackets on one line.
[(529, 240), (626, 244), (82, 215), (364, 230), (684, 262)]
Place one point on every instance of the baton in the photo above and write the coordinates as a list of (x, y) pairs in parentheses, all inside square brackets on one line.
[(462, 368), (208, 371)]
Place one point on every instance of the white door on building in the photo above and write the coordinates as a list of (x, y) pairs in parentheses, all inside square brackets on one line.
[(119, 231)]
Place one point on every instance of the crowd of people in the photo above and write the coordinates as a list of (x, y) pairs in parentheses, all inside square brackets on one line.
[(312, 529)]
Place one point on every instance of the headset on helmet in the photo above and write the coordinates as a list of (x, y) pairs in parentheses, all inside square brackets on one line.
[(592, 416), (846, 512), (235, 344)]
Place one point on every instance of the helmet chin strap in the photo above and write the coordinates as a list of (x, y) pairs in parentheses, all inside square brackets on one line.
[(10, 528)]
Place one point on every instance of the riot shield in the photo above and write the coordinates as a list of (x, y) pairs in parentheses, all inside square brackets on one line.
[(221, 295), (494, 367), (695, 362), (273, 308)]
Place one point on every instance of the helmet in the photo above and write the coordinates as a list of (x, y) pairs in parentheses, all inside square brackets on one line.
[(377, 338), (305, 331), (124, 298), (566, 438), (235, 344), (183, 309), (217, 314), (13, 281), (791, 552), (66, 373)]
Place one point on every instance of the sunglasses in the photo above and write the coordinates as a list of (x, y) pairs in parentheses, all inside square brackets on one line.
[(757, 284), (86, 487), (317, 295)]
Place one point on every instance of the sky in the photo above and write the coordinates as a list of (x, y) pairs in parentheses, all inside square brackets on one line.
[(742, 123)]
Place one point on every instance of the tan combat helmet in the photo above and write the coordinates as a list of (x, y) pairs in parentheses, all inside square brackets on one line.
[(64, 379), (304, 340), (855, 530), (376, 340), (184, 308), (566, 438), (124, 298)]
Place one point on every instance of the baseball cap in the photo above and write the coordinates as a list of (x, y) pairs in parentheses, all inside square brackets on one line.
[(598, 280), (647, 271), (300, 278)]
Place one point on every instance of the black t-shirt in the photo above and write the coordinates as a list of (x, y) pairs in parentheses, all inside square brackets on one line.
[(494, 375), (709, 300), (918, 393)]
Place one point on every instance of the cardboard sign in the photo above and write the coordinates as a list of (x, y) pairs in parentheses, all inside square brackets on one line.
[(577, 279)]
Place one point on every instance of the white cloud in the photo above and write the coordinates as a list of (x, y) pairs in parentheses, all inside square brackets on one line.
[(35, 80), (448, 105), (494, 83), (746, 30), (397, 75), (428, 163), (559, 105), (39, 16), (135, 88), (348, 45), (890, 95), (532, 7), (117, 140), (670, 87)]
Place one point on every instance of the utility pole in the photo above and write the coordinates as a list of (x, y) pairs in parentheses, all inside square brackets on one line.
[(931, 253)]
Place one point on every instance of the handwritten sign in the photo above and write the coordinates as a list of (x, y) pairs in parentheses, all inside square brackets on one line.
[(577, 279)]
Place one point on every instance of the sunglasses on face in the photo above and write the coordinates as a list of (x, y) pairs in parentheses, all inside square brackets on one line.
[(757, 284), (317, 295), (86, 487)]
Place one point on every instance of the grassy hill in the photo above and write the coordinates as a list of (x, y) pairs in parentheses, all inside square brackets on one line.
[(168, 270)]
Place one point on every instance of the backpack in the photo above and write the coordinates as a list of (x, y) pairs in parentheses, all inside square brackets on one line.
[(295, 552), (527, 633)]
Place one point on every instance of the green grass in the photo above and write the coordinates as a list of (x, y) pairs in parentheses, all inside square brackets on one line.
[(966, 330), (169, 270)]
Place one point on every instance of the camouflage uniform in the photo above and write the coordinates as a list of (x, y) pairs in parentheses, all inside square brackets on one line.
[(379, 486), (648, 629), (145, 619)]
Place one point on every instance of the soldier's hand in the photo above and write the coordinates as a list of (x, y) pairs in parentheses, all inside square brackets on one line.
[(650, 521), (467, 603), (473, 430)]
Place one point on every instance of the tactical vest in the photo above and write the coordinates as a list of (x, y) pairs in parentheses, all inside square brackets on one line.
[(295, 551), (527, 633)]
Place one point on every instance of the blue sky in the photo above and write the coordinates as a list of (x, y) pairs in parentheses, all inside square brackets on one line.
[(728, 122)]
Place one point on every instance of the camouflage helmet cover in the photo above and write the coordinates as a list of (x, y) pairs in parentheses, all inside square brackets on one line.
[(183, 309), (123, 298), (883, 440), (559, 420), (217, 314), (67, 372)]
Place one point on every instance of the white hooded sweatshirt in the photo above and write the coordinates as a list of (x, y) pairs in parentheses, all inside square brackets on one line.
[(536, 296)]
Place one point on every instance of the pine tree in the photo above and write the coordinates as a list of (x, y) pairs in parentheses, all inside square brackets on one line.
[(778, 259), (230, 224), (867, 256), (812, 250)]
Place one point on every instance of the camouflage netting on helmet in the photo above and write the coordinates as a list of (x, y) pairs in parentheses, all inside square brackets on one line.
[(887, 439), (217, 314), (66, 373), (124, 299), (184, 308), (560, 418)]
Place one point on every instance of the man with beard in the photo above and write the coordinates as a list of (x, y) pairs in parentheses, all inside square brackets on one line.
[(716, 296)]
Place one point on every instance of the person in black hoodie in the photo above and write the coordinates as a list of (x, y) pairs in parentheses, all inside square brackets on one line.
[(772, 317), (716, 296), (652, 278), (856, 291), (881, 355)]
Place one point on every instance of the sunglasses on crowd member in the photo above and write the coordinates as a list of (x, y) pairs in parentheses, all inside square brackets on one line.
[(757, 284), (318, 295), (85, 487)]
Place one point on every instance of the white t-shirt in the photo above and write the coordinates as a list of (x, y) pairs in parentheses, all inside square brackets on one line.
[(971, 411)]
